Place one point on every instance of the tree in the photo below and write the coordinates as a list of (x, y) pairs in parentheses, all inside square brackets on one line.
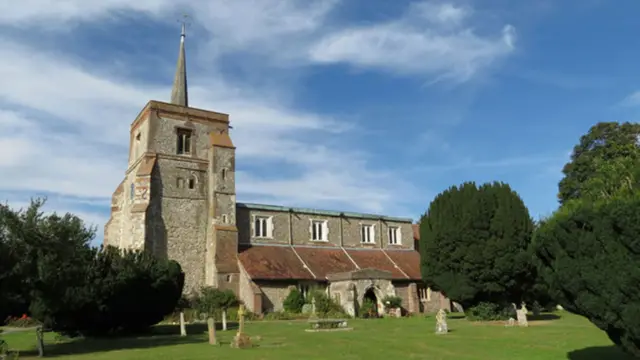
[(605, 142), (226, 299), (588, 253), (27, 236), (209, 303), (474, 245)]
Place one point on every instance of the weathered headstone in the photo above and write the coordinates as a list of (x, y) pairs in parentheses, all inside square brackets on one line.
[(511, 322), (241, 340), (313, 309), (522, 316), (183, 328), (306, 309), (40, 341), (441, 322)]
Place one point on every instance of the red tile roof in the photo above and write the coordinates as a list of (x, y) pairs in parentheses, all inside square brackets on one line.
[(408, 261), (375, 259), (324, 261), (264, 262), (273, 263)]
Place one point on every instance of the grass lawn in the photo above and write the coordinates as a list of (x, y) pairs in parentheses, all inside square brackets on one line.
[(568, 337)]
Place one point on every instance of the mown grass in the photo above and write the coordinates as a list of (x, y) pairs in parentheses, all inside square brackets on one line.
[(565, 337)]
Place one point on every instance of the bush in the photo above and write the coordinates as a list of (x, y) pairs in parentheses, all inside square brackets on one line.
[(21, 322), (325, 304), (294, 301), (392, 301), (368, 309), (105, 292), (474, 244), (486, 311), (589, 253)]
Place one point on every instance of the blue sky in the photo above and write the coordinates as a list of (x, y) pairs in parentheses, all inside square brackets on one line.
[(359, 105)]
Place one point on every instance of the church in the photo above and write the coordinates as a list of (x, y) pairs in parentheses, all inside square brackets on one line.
[(177, 200)]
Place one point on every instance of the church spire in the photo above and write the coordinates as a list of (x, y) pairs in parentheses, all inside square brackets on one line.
[(179, 95)]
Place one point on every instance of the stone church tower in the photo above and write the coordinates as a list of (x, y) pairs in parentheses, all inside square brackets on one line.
[(177, 199)]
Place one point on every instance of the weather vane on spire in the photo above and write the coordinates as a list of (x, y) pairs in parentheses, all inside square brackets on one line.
[(185, 21)]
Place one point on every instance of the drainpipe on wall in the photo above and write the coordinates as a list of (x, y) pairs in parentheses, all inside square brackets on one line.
[(291, 227)]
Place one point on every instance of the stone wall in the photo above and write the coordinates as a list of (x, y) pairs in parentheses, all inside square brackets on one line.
[(273, 294), (295, 228)]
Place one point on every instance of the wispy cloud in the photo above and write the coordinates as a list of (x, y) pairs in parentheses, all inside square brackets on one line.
[(435, 39), (632, 100), (507, 162)]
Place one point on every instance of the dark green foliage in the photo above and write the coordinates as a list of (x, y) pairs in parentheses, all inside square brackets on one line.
[(56, 276), (392, 301), (325, 305), (105, 292), (368, 309), (474, 245), (486, 311), (26, 237), (294, 301), (211, 301), (589, 254), (604, 143)]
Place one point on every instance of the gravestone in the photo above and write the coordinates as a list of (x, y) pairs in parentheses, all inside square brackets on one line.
[(441, 322), (306, 308), (313, 309), (511, 322), (241, 340), (522, 316)]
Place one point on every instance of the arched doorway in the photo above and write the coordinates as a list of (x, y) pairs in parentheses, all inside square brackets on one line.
[(370, 304)]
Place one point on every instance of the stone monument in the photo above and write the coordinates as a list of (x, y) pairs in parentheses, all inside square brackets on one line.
[(241, 340), (522, 316), (441, 322)]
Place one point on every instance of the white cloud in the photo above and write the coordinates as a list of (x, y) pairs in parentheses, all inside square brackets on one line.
[(631, 100), (66, 123), (433, 39)]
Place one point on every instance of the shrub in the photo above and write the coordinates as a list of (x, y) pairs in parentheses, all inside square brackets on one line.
[(325, 304), (294, 301), (105, 292), (21, 322), (368, 309), (486, 311), (392, 301)]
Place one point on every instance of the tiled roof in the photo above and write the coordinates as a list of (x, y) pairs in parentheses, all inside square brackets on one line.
[(375, 259), (271, 262), (323, 261), (408, 261)]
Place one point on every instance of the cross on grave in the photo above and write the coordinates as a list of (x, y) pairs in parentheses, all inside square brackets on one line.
[(241, 340)]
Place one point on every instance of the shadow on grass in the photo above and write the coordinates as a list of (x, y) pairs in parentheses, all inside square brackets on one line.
[(599, 353), (456, 316), (543, 317), (160, 335)]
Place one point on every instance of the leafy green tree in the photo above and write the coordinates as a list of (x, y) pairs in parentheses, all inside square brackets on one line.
[(588, 254), (294, 302), (474, 245), (209, 303), (604, 143), (27, 236)]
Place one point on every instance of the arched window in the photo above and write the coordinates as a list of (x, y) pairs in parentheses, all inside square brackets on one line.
[(192, 182)]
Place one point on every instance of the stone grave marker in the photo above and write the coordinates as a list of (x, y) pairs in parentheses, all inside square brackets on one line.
[(441, 322), (241, 340), (522, 316)]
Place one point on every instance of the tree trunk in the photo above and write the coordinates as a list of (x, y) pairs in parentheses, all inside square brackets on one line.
[(40, 341), (224, 319), (211, 326), (183, 329)]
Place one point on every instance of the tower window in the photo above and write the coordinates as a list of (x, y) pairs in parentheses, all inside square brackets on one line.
[(184, 141), (225, 219), (180, 183), (192, 183), (224, 173)]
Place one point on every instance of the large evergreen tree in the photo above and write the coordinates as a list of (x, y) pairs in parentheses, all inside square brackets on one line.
[(605, 142), (474, 245), (588, 251)]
